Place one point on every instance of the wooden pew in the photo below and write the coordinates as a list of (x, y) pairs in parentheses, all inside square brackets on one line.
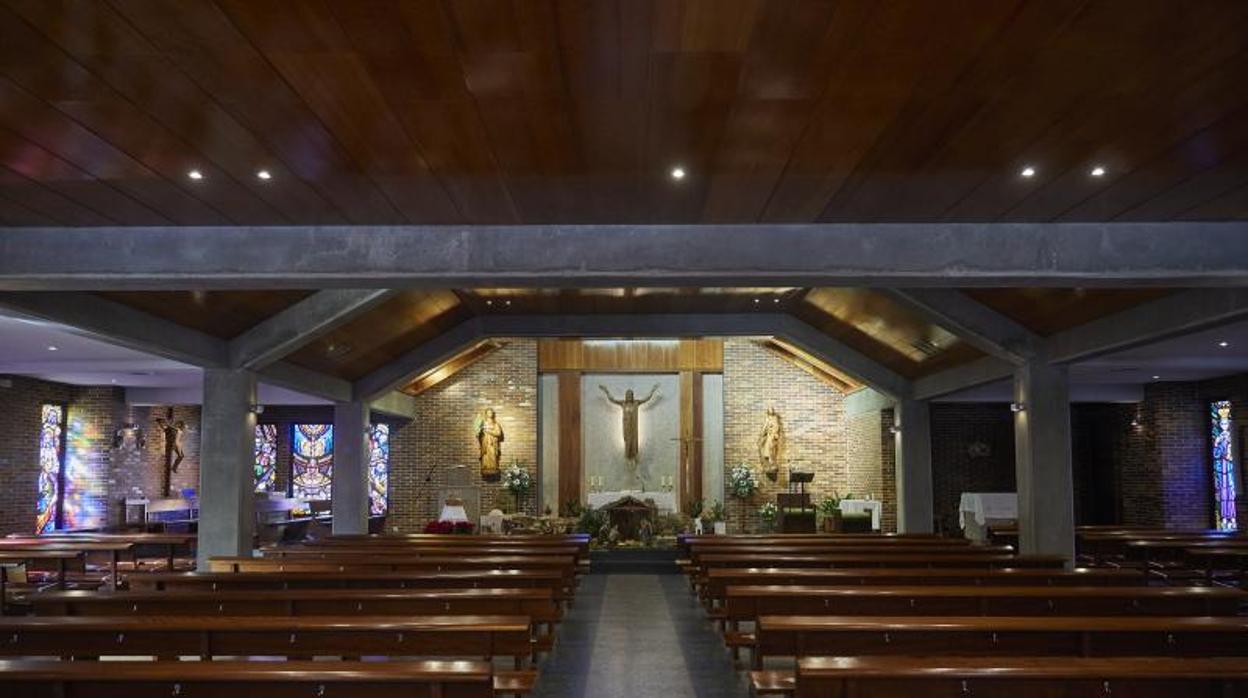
[(168, 543), (1210, 559), (297, 637), (320, 552), (993, 636), (28, 559), (1021, 677), (473, 579), (566, 566), (747, 603), (847, 560), (232, 679), (718, 580), (537, 603), (113, 549)]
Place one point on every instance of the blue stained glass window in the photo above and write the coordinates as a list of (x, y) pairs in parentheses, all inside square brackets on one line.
[(51, 461), (312, 455), (378, 469), (1223, 467), (266, 457)]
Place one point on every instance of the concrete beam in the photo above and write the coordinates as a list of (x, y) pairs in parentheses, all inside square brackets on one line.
[(867, 400), (1167, 317), (349, 494), (976, 323), (894, 254), (121, 325), (787, 327), (969, 375), (299, 324), (395, 404)]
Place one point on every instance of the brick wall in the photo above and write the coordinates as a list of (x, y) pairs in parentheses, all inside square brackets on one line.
[(1165, 473), (19, 448), (816, 430), (955, 468), (441, 435), (888, 472)]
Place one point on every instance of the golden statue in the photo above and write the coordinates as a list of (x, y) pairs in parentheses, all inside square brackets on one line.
[(629, 405), (490, 442), (771, 444)]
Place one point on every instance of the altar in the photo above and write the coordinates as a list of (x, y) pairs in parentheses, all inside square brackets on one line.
[(664, 501), (979, 511)]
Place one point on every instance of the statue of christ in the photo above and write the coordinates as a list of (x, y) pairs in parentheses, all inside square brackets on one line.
[(629, 405)]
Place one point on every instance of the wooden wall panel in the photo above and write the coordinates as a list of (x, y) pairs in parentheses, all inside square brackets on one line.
[(631, 355), (569, 437), (690, 477)]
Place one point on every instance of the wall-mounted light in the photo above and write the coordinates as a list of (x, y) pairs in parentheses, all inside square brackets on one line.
[(1017, 407), (256, 409), (894, 429)]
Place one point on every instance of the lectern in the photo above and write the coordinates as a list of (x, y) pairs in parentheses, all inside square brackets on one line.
[(796, 511)]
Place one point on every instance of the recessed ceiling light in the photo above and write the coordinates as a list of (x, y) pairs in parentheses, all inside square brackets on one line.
[(264, 174), (757, 301), (113, 381), (195, 175), (678, 173), (489, 302), (1028, 171), (53, 347), (775, 300), (507, 302), (1097, 171), (1156, 378), (1224, 343)]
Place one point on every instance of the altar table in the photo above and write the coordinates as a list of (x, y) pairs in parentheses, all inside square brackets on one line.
[(977, 511), (860, 506)]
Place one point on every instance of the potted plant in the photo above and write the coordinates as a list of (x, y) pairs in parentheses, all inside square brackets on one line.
[(694, 507), (716, 516), (768, 512), (830, 507), (517, 480), (742, 484)]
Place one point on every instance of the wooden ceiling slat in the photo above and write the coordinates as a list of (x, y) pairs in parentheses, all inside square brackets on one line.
[(1047, 311), (566, 111), (37, 197), (222, 314)]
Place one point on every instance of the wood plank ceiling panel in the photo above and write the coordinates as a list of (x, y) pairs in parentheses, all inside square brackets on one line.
[(1046, 311), (383, 334), (188, 123), (205, 45), (222, 314)]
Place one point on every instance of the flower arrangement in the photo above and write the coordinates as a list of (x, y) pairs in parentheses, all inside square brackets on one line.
[(768, 512), (516, 479), (445, 527), (716, 511), (742, 482)]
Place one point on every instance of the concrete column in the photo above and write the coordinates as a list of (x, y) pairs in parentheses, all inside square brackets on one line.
[(913, 424), (227, 443), (350, 491), (1046, 518)]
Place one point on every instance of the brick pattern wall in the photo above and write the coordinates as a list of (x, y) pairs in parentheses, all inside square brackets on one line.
[(139, 473), (1165, 470), (864, 445), (955, 469), (815, 427), (441, 435), (19, 448)]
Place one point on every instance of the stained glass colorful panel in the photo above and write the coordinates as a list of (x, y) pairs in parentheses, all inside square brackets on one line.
[(266, 457), (51, 444), (84, 503), (378, 468), (1223, 467), (312, 456)]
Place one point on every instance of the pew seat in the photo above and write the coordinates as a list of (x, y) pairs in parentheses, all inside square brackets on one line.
[(772, 682), (232, 679), (515, 683), (1021, 677)]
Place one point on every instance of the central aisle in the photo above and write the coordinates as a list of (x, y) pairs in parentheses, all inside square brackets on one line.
[(638, 635)]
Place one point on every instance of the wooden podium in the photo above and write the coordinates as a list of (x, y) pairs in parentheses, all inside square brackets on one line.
[(796, 511)]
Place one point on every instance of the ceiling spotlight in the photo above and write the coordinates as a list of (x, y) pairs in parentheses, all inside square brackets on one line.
[(1017, 407), (1097, 171), (678, 173), (1156, 378), (195, 175), (489, 302), (53, 347), (264, 174), (1224, 344), (507, 302), (776, 301), (1028, 171), (757, 301)]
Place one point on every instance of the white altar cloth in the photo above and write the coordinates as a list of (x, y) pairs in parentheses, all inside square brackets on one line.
[(453, 513), (980, 507), (859, 506), (665, 501)]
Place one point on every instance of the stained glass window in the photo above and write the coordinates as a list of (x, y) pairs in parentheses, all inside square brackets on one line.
[(51, 458), (312, 455), (1223, 467), (266, 457), (84, 479), (378, 468)]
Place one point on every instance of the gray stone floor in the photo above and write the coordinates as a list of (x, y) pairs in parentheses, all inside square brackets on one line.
[(638, 635)]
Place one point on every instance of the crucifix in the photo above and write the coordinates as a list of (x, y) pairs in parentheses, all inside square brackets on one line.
[(172, 431)]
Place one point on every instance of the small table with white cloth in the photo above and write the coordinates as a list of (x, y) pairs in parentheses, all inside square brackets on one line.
[(861, 506), (979, 511)]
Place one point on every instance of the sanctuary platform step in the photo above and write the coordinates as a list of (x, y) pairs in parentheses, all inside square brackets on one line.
[(634, 561)]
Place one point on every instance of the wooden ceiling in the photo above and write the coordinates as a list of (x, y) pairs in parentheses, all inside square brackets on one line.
[(557, 111), (866, 320)]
